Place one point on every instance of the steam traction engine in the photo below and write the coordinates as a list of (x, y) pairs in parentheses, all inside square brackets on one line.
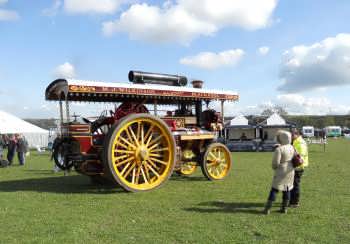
[(132, 147)]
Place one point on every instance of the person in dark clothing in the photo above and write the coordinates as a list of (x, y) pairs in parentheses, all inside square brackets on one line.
[(22, 148), (2, 146), (243, 137), (11, 148), (301, 147)]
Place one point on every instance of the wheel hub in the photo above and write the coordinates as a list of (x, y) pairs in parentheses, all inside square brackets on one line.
[(141, 154)]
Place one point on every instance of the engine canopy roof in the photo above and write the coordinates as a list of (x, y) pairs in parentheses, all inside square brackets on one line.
[(92, 91)]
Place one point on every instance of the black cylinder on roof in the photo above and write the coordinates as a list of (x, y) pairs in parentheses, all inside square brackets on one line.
[(155, 78)]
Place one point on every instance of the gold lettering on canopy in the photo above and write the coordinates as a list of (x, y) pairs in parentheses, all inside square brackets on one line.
[(149, 92)]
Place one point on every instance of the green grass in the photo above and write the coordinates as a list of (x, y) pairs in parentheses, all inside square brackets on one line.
[(38, 206)]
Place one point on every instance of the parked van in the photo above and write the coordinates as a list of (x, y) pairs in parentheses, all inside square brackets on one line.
[(308, 131), (333, 131)]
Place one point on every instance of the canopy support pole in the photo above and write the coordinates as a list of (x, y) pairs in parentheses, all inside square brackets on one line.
[(67, 110), (222, 112), (61, 115), (199, 109), (223, 116), (155, 108)]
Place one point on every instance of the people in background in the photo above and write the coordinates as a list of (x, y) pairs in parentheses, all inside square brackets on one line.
[(11, 148), (22, 148), (266, 136), (283, 171), (2, 145), (301, 147), (243, 137)]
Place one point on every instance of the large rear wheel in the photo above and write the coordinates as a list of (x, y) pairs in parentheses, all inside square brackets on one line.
[(216, 162), (140, 152)]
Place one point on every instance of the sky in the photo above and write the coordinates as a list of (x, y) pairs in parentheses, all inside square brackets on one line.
[(294, 54)]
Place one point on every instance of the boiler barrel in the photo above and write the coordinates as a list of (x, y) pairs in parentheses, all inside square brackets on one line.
[(154, 78)]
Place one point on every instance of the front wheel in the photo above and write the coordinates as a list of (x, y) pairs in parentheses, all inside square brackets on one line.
[(140, 152), (60, 154), (216, 162)]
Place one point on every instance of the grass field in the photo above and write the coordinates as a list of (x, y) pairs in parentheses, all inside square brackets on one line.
[(38, 206)]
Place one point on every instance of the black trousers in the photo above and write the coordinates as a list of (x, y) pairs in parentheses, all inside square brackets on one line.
[(10, 156), (273, 193), (295, 192)]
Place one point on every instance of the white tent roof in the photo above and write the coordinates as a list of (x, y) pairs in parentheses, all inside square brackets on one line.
[(275, 119), (10, 124), (239, 120)]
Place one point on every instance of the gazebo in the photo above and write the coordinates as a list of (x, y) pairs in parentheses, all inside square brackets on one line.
[(268, 130), (240, 135)]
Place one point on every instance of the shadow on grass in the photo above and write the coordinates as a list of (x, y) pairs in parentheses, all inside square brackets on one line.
[(225, 207), (60, 184), (177, 177), (39, 171)]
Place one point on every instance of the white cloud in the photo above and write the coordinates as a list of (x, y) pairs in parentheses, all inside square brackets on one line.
[(3, 2), (263, 50), (65, 70), (320, 65), (186, 20), (298, 104), (210, 60), (8, 15), (92, 6), (294, 104), (53, 10)]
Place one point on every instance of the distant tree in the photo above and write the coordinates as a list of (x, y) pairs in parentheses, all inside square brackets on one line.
[(280, 110), (43, 123), (329, 121), (275, 109), (267, 112)]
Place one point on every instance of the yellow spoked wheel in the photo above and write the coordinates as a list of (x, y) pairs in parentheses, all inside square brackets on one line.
[(187, 168), (141, 152), (216, 162)]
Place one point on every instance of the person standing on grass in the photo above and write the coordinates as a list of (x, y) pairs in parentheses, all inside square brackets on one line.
[(11, 148), (301, 147), (22, 148), (2, 146), (284, 171)]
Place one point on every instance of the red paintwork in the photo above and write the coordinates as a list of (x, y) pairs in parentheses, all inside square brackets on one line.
[(171, 123), (85, 143)]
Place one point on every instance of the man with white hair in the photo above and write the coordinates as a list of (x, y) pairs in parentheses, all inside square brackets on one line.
[(22, 148)]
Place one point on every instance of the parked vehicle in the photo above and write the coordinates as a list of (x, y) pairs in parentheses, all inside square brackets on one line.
[(132, 147), (333, 131), (308, 131)]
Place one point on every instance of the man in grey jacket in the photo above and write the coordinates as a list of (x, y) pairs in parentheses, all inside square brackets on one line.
[(22, 148)]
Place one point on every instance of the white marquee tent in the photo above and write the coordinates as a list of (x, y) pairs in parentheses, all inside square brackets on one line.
[(275, 119), (239, 120), (35, 135)]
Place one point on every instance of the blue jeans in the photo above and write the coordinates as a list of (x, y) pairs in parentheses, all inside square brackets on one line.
[(273, 193), (21, 157)]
